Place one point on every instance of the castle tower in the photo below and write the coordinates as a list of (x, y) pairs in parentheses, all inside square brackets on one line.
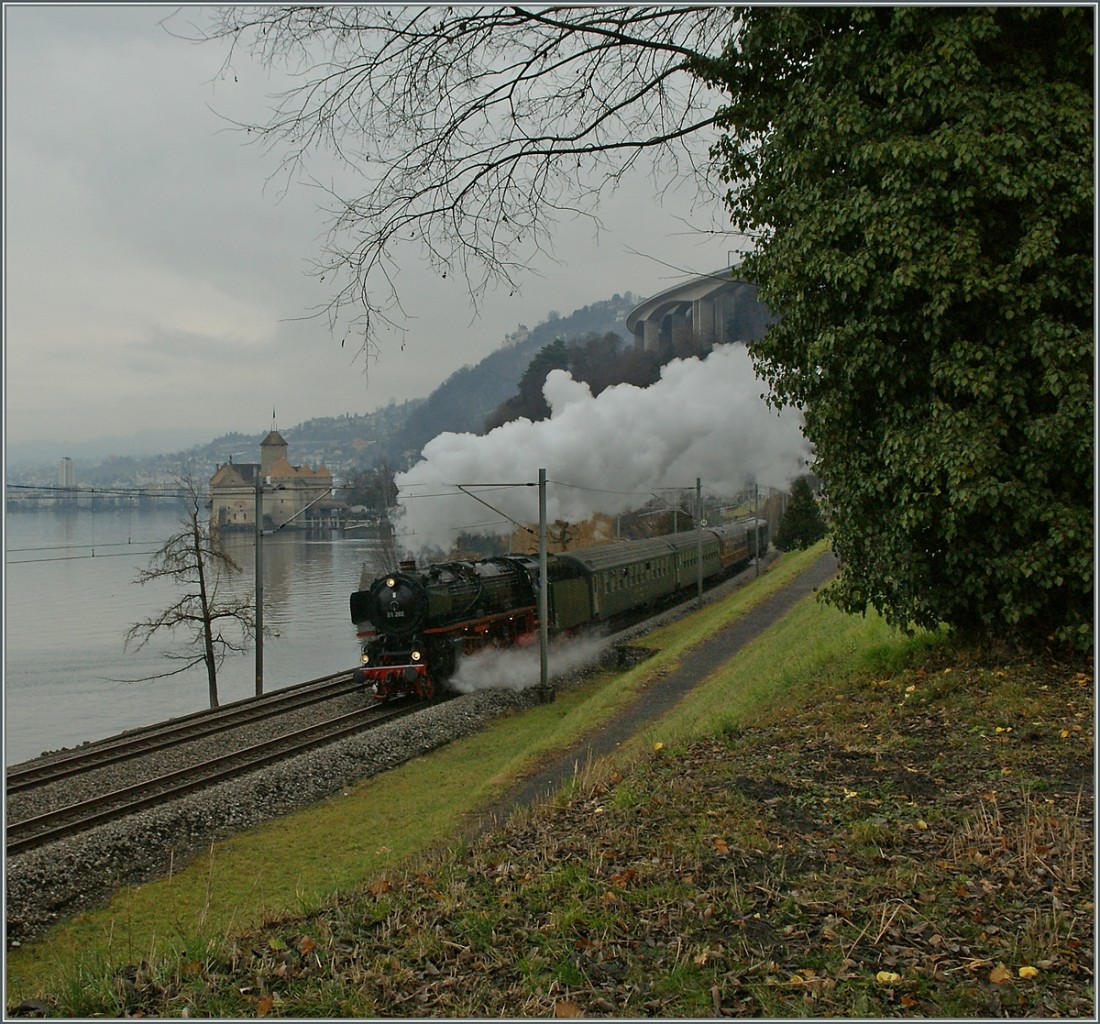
[(272, 449)]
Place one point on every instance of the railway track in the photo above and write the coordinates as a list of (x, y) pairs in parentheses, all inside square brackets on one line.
[(64, 794), (73, 791), (76, 817), (163, 736)]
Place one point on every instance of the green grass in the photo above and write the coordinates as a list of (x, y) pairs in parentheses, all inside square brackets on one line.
[(842, 821), (291, 865)]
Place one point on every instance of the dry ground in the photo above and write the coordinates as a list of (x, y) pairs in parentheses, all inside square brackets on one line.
[(917, 845)]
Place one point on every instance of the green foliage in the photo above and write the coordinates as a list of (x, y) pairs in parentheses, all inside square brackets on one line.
[(920, 181), (598, 360), (802, 523), (373, 488)]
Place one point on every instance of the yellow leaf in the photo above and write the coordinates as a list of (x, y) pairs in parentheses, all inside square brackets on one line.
[(887, 977), (658, 746), (999, 975), (1029, 972), (922, 824)]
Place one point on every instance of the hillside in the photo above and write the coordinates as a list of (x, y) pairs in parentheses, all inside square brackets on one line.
[(462, 402), (348, 443), (839, 821)]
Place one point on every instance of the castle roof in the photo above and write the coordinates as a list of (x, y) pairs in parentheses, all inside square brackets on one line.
[(235, 474)]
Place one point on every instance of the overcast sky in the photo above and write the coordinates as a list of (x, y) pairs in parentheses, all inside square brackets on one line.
[(152, 281)]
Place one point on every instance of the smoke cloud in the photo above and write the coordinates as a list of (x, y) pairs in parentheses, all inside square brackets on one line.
[(517, 668), (704, 418)]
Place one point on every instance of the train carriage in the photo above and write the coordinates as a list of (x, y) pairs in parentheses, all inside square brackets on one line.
[(687, 546), (626, 575)]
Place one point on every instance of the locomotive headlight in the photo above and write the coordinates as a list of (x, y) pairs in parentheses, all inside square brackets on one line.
[(364, 657), (415, 655), (391, 582)]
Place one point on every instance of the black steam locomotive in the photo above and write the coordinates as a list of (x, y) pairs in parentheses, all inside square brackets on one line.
[(415, 624)]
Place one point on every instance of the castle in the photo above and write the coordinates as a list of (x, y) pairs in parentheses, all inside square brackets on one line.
[(294, 496)]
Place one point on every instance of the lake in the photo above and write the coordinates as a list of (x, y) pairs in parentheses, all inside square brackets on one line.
[(69, 598)]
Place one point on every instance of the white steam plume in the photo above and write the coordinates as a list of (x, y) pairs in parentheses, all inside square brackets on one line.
[(517, 668), (703, 418)]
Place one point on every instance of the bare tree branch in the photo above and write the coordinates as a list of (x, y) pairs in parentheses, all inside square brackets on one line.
[(467, 131), (194, 559)]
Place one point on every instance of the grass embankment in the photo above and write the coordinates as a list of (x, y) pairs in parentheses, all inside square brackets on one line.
[(841, 822)]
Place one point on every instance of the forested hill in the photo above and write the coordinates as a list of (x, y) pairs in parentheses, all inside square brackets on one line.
[(463, 401)]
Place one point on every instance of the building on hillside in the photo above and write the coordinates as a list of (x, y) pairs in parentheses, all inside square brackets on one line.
[(296, 496)]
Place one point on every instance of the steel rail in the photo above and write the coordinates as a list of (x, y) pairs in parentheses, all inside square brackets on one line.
[(164, 736), (66, 821)]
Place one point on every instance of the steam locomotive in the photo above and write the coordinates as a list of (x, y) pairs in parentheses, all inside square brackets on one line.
[(416, 624)]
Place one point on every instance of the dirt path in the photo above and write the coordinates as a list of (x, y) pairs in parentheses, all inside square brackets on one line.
[(662, 696)]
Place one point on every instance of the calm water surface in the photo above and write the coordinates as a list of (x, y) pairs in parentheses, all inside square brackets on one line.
[(70, 598)]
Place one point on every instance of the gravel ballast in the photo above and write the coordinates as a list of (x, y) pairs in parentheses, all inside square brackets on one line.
[(53, 882), (56, 881)]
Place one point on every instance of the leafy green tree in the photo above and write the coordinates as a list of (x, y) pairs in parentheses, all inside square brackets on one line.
[(920, 182), (802, 524), (529, 401)]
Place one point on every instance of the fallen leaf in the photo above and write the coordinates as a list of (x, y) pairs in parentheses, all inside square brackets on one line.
[(379, 887), (999, 975), (1029, 972), (887, 977), (264, 1006), (565, 1008)]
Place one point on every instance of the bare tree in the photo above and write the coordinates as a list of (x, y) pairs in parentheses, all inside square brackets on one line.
[(195, 560), (467, 131)]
